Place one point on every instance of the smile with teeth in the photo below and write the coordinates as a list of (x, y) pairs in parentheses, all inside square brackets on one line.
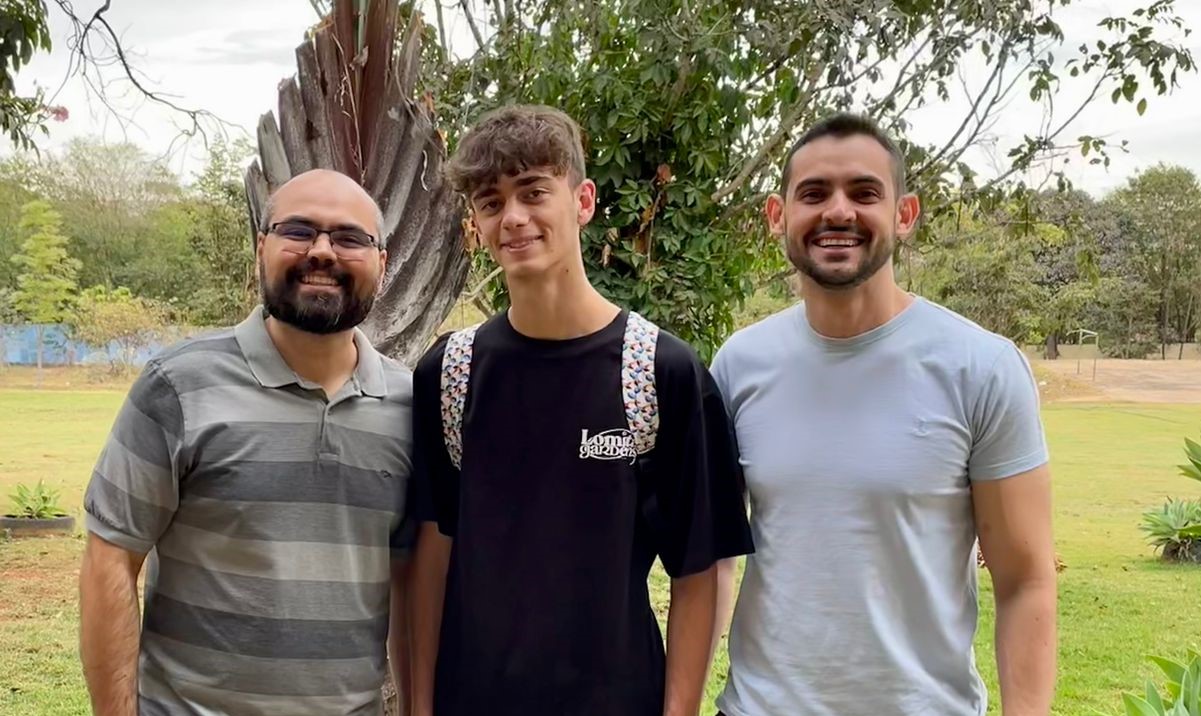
[(838, 242), (518, 244), (314, 280)]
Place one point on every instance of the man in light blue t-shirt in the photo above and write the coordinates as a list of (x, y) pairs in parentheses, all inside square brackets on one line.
[(880, 435)]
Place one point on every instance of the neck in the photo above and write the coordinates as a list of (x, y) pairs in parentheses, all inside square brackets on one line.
[(324, 359), (846, 313), (559, 305)]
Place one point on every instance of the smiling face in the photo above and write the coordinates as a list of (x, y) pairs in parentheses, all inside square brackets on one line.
[(322, 284), (840, 215), (530, 222)]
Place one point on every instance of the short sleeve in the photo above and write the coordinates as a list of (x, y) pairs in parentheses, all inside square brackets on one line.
[(700, 515), (435, 496), (134, 490), (1007, 432)]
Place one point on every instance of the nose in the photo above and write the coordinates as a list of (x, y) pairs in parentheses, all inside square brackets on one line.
[(515, 216), (839, 211), (321, 252)]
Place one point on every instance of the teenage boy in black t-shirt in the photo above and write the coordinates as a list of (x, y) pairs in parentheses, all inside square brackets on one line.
[(560, 448)]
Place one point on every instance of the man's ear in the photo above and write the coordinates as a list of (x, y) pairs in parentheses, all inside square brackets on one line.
[(586, 198), (383, 268), (909, 210), (258, 255), (773, 209)]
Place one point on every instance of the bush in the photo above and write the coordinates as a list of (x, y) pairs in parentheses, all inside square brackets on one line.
[(1183, 690), (38, 503), (1175, 530), (116, 317)]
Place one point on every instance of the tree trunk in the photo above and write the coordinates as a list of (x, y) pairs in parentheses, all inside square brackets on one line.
[(350, 109), (41, 333), (1051, 351), (1163, 309)]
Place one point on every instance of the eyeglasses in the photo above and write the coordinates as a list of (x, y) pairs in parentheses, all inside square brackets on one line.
[(299, 238)]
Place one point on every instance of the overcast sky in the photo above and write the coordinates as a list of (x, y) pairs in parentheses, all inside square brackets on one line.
[(228, 56)]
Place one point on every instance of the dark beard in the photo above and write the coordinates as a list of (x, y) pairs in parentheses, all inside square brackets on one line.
[(879, 252), (321, 314)]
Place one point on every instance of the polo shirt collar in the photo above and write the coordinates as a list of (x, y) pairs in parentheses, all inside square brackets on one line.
[(271, 371)]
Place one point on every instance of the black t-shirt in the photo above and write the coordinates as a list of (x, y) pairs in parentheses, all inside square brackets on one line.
[(546, 608)]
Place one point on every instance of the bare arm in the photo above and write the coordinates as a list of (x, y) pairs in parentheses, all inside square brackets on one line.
[(690, 622), (428, 589), (1013, 520), (727, 574), (399, 637), (109, 630)]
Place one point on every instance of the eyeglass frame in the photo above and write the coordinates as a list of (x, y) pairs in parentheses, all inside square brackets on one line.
[(373, 242)]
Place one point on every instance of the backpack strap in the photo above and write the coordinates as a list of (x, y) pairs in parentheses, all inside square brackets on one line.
[(456, 377), (638, 381)]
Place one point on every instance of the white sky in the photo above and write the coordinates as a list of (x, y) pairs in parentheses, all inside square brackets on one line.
[(228, 56)]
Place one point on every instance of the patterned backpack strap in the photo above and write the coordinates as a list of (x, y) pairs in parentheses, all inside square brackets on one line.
[(638, 381), (456, 377)]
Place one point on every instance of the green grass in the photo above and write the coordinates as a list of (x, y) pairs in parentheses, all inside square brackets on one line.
[(1117, 603)]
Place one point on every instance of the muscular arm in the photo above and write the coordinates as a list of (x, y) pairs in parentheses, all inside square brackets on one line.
[(428, 589), (1013, 520), (109, 629), (690, 622)]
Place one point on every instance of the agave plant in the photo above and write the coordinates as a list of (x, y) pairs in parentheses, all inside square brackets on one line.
[(1175, 529), (1183, 687), (37, 503), (1192, 466)]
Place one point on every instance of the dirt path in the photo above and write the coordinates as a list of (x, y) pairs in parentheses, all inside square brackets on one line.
[(1135, 381)]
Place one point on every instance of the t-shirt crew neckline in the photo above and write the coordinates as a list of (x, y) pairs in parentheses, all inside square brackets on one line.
[(837, 345), (557, 346)]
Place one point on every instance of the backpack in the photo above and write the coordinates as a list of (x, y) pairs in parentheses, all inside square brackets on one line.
[(638, 393)]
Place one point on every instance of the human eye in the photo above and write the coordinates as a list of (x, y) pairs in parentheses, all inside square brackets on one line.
[(297, 232)]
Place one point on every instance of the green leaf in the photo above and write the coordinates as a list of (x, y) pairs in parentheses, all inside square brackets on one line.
[(1142, 106), (1190, 471), (1174, 670), (1153, 698), (1191, 532), (1138, 707), (1190, 688), (1193, 450)]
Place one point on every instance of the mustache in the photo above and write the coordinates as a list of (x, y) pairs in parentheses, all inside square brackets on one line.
[(853, 229)]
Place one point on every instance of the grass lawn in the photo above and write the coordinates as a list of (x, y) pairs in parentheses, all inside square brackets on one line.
[(1111, 462)]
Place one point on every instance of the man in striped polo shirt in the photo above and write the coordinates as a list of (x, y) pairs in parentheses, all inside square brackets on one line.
[(263, 470)]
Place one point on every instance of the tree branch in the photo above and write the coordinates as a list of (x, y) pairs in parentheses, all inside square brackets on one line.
[(752, 165), (475, 30)]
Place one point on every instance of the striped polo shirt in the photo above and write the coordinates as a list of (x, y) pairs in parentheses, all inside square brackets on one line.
[(271, 514)]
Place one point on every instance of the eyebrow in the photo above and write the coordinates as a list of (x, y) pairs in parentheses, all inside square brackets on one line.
[(818, 182), (299, 219), (521, 182)]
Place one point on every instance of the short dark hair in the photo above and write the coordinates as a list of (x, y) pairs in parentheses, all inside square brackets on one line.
[(841, 126), (515, 138)]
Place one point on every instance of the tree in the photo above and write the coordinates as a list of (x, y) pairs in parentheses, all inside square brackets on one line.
[(126, 217), (687, 105), (216, 214), (23, 31), (46, 284), (982, 265), (104, 317), (14, 193), (1160, 213)]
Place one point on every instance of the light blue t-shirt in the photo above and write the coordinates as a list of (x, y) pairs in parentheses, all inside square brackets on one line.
[(859, 454)]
